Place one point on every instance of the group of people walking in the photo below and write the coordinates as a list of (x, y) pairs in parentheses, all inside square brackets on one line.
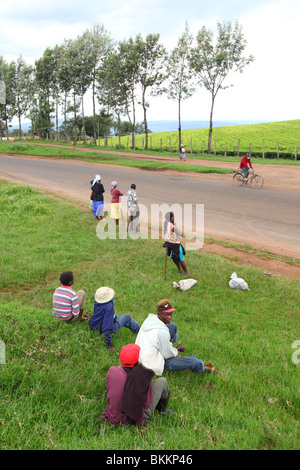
[(97, 202)]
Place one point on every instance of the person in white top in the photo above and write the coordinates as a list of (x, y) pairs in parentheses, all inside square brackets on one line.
[(156, 338), (173, 237)]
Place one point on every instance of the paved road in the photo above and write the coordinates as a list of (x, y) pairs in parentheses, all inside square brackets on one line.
[(268, 219)]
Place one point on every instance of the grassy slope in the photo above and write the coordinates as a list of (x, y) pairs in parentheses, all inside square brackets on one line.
[(52, 387), (286, 133)]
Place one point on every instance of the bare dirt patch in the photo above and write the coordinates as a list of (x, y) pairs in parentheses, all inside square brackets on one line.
[(270, 266)]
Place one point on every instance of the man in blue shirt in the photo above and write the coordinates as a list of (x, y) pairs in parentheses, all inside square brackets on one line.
[(104, 318)]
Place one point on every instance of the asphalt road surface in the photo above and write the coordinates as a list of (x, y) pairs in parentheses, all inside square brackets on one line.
[(268, 219)]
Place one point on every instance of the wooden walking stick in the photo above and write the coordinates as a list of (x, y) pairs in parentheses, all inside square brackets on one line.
[(166, 263)]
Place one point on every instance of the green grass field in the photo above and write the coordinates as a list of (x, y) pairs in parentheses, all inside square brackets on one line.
[(286, 133), (53, 382)]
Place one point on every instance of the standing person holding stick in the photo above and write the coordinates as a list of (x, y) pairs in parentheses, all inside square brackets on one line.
[(175, 250)]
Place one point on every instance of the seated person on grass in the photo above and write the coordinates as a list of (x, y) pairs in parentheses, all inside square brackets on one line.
[(156, 338), (104, 318), (68, 305), (131, 396)]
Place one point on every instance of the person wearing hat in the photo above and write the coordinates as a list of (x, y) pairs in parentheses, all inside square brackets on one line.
[(97, 196), (131, 395), (104, 318), (156, 338), (244, 165), (115, 202)]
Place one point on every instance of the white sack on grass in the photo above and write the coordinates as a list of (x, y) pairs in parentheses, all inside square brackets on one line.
[(237, 282), (185, 284)]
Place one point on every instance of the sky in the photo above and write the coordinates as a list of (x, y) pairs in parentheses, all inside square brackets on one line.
[(267, 90)]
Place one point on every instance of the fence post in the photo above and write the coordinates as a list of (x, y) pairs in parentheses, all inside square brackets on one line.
[(170, 144), (263, 148), (215, 147), (250, 149), (295, 150), (150, 142), (160, 144), (127, 142), (203, 147), (191, 146), (277, 150), (225, 150), (238, 148), (143, 144)]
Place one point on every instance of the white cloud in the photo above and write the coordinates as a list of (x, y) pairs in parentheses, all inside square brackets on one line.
[(268, 88)]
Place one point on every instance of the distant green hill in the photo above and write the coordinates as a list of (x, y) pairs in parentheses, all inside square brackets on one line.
[(286, 133)]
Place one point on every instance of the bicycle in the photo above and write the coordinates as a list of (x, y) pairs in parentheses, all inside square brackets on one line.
[(256, 181)]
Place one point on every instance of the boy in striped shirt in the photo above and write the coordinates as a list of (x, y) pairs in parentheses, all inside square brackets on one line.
[(68, 305)]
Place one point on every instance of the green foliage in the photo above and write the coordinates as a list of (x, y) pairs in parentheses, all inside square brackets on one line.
[(53, 384)]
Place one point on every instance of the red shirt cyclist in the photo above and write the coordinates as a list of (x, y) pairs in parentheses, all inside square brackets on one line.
[(244, 165)]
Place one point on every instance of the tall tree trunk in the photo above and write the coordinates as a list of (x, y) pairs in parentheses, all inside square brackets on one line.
[(19, 115), (65, 117), (210, 125), (94, 111), (6, 125), (145, 121), (179, 121), (133, 121), (119, 129), (75, 119), (83, 124), (49, 120), (56, 138)]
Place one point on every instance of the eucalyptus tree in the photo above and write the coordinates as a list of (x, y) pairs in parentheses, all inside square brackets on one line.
[(214, 58), (20, 78), (152, 58), (47, 81), (180, 86), (110, 88), (128, 69), (69, 86), (65, 84), (3, 66), (99, 45), (82, 65)]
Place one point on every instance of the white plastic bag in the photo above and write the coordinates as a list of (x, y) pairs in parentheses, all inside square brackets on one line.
[(91, 205), (184, 284), (237, 282)]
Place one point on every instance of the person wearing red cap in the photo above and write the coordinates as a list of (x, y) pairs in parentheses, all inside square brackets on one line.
[(244, 165), (131, 396), (156, 338)]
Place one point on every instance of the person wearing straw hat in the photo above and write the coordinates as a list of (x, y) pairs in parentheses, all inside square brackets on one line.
[(104, 318), (131, 395), (156, 338), (115, 202), (97, 196)]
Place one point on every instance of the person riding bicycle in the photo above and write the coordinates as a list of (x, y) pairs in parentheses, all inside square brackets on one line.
[(244, 165)]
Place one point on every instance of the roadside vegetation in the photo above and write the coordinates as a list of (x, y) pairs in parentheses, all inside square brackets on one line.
[(53, 382)]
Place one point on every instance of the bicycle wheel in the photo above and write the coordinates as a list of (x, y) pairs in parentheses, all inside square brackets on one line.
[(257, 182), (238, 179)]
